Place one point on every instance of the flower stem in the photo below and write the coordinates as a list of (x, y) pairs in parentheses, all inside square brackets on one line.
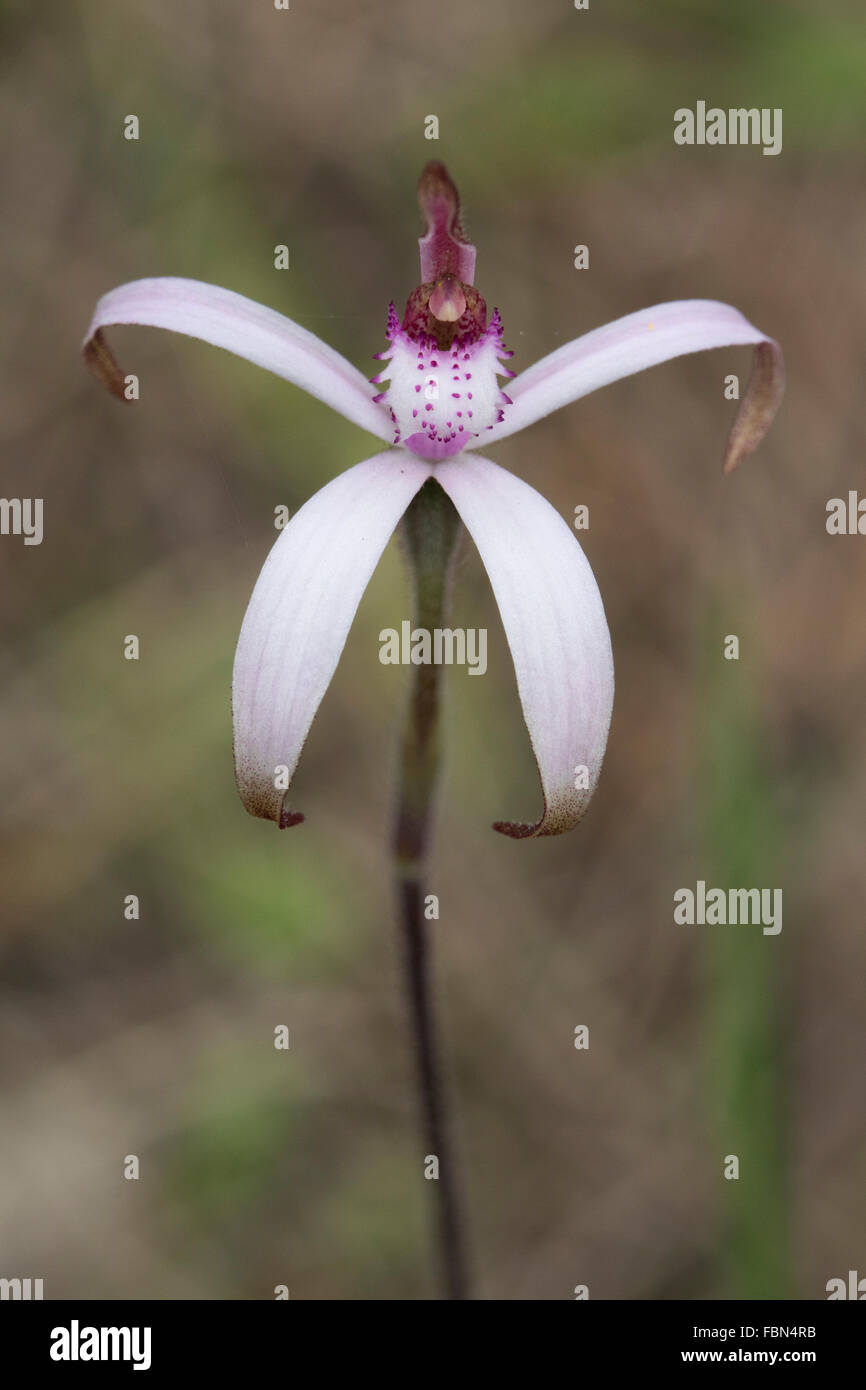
[(431, 529)]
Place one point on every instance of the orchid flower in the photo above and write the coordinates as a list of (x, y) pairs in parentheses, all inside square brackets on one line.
[(442, 401), (442, 404)]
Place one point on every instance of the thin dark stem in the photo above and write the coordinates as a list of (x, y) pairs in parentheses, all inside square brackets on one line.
[(437, 1136), (430, 529)]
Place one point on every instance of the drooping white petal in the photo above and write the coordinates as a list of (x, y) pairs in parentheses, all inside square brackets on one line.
[(555, 625), (299, 617), (241, 326), (642, 340)]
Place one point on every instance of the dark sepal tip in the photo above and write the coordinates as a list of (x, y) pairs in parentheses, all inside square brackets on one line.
[(514, 830), (99, 358)]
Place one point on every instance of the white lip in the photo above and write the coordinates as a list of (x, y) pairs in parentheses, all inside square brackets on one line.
[(449, 395)]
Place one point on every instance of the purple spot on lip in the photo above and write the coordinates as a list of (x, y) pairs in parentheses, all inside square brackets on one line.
[(429, 447)]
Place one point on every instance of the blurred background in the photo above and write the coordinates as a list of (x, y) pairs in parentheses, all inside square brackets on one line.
[(155, 1037)]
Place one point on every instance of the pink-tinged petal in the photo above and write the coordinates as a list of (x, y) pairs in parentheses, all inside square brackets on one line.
[(299, 617), (241, 326), (555, 625), (642, 340)]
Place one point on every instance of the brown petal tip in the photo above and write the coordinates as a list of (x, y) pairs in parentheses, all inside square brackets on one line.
[(514, 830), (289, 818), (759, 405), (99, 358)]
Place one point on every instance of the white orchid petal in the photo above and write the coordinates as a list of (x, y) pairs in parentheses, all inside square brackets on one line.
[(299, 617), (642, 340), (241, 326), (555, 625)]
